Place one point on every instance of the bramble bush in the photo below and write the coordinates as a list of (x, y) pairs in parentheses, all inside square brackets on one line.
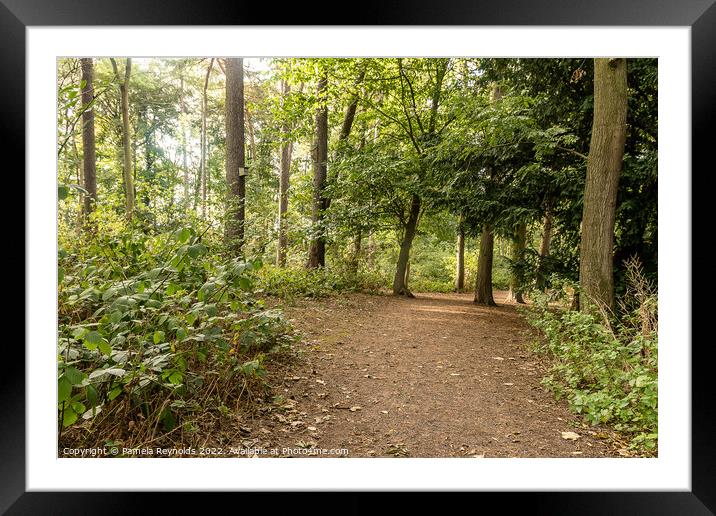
[(607, 371), (153, 329)]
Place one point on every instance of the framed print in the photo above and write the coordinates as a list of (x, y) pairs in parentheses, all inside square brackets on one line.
[(263, 259)]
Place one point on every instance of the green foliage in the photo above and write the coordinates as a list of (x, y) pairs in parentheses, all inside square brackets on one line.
[(607, 375), (291, 283), (149, 318)]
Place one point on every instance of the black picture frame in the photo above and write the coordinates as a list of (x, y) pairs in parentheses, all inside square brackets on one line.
[(699, 15)]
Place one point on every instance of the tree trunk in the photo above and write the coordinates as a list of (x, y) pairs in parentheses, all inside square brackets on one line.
[(483, 284), (283, 184), (606, 152), (202, 164), (516, 251), (460, 272), (235, 170), (544, 246), (317, 251), (89, 159), (126, 141), (400, 287), (183, 142), (357, 245)]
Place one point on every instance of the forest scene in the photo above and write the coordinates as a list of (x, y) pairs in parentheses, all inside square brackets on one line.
[(357, 257)]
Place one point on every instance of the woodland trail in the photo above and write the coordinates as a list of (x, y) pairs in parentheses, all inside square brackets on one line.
[(434, 376)]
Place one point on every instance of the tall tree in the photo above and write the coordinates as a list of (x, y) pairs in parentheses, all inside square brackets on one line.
[(317, 250), (283, 184), (235, 168), (123, 81), (420, 138), (202, 159), (184, 138), (89, 159), (483, 283), (606, 152), (545, 245)]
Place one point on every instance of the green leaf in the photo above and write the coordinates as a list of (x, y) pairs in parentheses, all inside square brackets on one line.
[(92, 396), (62, 192), (79, 333), (74, 375), (105, 348), (92, 339), (183, 235), (64, 389), (70, 416), (114, 393), (175, 378), (115, 316), (78, 407), (158, 336)]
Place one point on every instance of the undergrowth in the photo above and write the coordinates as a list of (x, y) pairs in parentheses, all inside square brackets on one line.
[(289, 284), (607, 368), (156, 337)]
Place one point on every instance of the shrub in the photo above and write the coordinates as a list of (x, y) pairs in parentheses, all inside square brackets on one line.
[(290, 283), (607, 372), (151, 327)]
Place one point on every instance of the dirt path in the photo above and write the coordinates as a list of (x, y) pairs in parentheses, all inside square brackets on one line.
[(435, 376)]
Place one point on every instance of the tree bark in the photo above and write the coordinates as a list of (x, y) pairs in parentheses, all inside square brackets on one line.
[(606, 152), (283, 185), (317, 251), (516, 251), (400, 287), (544, 247), (89, 155), (126, 140), (357, 247), (546, 234), (483, 284), (202, 164), (460, 272), (235, 180), (183, 142)]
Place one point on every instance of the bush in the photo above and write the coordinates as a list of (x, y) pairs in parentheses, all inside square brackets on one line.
[(290, 283), (151, 327), (608, 375)]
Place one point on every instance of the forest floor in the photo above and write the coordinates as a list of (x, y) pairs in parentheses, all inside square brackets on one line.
[(434, 376)]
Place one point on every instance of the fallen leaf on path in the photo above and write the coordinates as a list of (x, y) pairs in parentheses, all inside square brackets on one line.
[(383, 411), (570, 436), (498, 358), (321, 382), (353, 409), (454, 374), (508, 383)]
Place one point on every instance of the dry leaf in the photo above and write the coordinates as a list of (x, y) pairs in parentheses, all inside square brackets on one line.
[(570, 436)]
